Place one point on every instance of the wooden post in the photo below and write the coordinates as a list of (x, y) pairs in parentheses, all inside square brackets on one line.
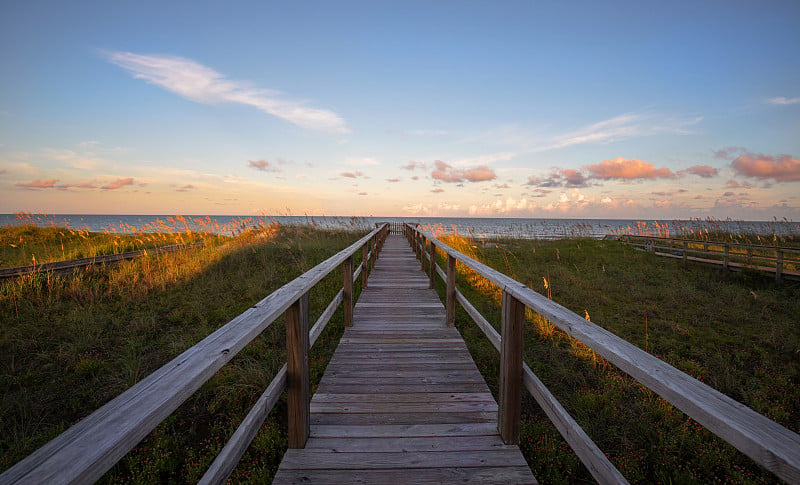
[(422, 252), (778, 266), (749, 256), (298, 388), (364, 266), (685, 251), (510, 397), (347, 271), (652, 246), (451, 291), (725, 252), (432, 266)]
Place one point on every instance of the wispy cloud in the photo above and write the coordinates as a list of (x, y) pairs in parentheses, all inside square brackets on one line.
[(446, 173), (705, 171), (781, 169), (622, 168), (202, 84), (625, 126), (782, 101), (39, 184), (413, 165), (353, 175), (262, 165), (118, 184)]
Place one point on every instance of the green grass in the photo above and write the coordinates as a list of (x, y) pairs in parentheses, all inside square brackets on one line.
[(737, 333), (68, 344)]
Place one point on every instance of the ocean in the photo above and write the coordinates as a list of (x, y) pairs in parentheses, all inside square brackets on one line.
[(529, 228)]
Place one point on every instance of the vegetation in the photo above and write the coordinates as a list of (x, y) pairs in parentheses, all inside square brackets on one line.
[(68, 344), (737, 333)]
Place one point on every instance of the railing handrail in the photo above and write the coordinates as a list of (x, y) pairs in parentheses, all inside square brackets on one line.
[(765, 441), (763, 247), (88, 449)]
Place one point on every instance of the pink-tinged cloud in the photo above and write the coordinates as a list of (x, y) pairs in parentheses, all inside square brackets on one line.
[(412, 165), (437, 190), (39, 184), (415, 177), (118, 184), (185, 188), (352, 175), (262, 165), (705, 171), (393, 180), (568, 177), (728, 152), (781, 169), (633, 169), (446, 173), (736, 185), (362, 193)]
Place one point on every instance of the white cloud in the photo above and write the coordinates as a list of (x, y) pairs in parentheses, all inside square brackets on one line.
[(783, 101), (202, 84), (624, 126)]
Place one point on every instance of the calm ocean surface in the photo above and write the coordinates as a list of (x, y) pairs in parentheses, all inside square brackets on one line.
[(478, 227)]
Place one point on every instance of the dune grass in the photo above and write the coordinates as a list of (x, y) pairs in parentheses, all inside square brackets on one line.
[(68, 344), (738, 333)]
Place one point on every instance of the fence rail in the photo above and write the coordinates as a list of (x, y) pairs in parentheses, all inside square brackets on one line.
[(88, 449), (783, 262), (766, 442)]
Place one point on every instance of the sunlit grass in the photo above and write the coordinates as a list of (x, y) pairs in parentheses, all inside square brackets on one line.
[(736, 333)]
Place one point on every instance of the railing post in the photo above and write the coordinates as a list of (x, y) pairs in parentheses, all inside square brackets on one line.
[(749, 256), (725, 256), (298, 388), (422, 253), (347, 272), (652, 246), (432, 276), (510, 397), (364, 266), (685, 251), (450, 297), (778, 265)]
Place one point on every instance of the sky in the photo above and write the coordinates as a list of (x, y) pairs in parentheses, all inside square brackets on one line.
[(545, 109)]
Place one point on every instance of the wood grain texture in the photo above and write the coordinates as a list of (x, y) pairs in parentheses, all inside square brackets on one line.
[(88, 449), (765, 441), (298, 387), (401, 398)]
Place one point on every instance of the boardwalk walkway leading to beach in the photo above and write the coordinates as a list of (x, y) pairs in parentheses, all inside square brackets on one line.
[(401, 400)]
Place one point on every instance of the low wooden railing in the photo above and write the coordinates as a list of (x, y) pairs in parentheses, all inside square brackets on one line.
[(782, 261), (765, 441), (88, 449)]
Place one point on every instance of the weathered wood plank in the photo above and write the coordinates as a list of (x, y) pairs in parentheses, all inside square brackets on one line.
[(298, 389), (486, 476), (323, 460), (401, 398)]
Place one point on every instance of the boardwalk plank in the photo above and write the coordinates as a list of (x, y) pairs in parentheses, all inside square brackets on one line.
[(401, 400)]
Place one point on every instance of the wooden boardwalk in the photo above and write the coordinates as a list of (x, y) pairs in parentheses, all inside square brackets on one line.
[(401, 400)]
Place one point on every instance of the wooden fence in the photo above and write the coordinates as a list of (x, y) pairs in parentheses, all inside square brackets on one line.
[(84, 452), (783, 262), (768, 443)]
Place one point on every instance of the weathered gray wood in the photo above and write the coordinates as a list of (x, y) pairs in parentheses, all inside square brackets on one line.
[(484, 476), (510, 396), (482, 323), (298, 387), (590, 455), (432, 266), (450, 295), (323, 460), (226, 461), (88, 449), (766, 442), (323, 319), (347, 291), (400, 375)]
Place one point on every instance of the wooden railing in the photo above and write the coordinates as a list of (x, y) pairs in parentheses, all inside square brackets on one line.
[(88, 449), (768, 443), (782, 261)]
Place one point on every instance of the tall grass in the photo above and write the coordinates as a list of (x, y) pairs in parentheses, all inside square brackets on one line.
[(738, 334), (68, 344)]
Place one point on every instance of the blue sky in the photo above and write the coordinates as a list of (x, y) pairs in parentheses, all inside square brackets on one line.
[(518, 109)]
